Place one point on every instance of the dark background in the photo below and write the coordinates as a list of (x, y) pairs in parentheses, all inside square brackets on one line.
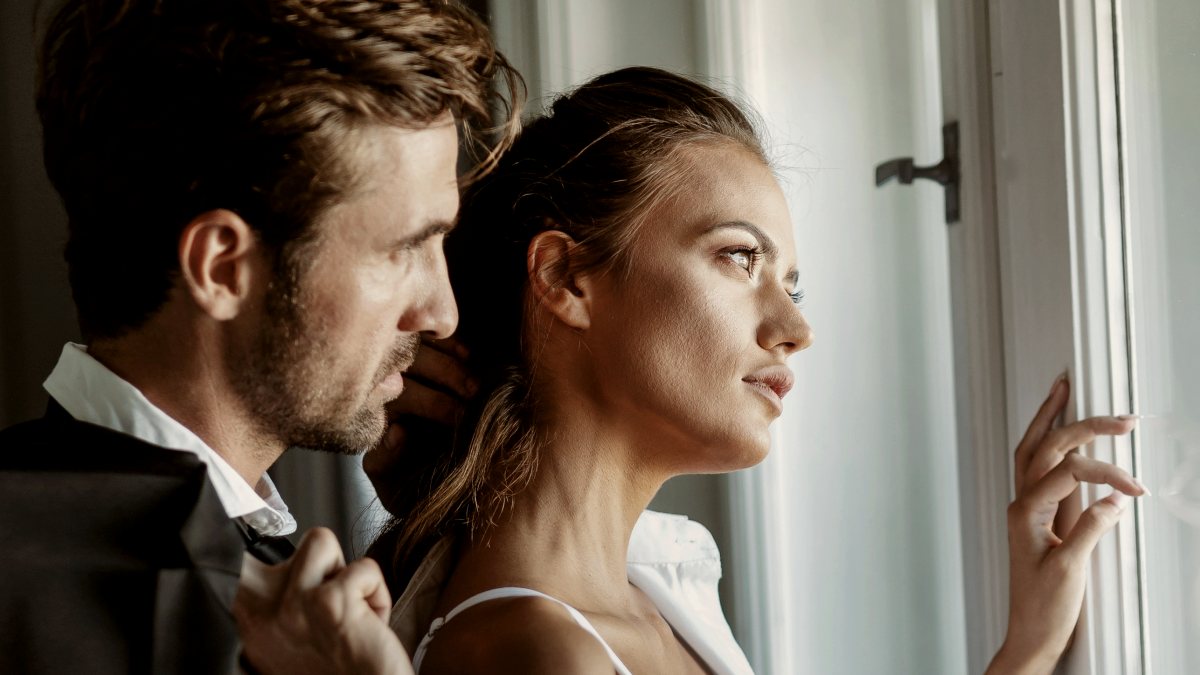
[(36, 313)]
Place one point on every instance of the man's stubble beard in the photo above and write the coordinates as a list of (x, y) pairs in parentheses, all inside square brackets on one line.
[(289, 385)]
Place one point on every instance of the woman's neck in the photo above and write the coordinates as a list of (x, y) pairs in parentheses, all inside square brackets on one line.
[(567, 533)]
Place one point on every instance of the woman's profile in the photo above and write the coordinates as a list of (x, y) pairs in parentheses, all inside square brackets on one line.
[(627, 288)]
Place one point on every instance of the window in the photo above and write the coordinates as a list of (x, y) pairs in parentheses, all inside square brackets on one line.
[(1098, 135), (1160, 120)]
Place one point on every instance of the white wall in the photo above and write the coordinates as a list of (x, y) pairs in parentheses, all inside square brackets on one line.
[(557, 44)]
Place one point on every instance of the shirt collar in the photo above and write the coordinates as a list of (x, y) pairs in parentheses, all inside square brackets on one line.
[(92, 393)]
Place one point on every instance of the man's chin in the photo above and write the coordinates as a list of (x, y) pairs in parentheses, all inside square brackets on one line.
[(356, 438)]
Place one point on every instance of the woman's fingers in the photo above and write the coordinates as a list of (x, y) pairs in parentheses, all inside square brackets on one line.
[(1098, 519), (444, 370), (1038, 506), (1047, 570), (1059, 442), (451, 345), (422, 400), (1051, 408)]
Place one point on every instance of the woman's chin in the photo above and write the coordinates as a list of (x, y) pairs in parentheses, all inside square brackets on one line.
[(743, 455), (756, 456)]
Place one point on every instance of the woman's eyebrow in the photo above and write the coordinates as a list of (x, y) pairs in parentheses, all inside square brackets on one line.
[(769, 249)]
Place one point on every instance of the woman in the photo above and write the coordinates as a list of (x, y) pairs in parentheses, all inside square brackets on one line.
[(626, 280)]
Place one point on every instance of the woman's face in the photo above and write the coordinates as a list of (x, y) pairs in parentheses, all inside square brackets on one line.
[(690, 347)]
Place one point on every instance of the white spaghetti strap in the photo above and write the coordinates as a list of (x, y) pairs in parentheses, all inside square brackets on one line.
[(511, 592)]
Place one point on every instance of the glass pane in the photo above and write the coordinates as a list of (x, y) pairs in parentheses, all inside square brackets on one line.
[(1161, 97)]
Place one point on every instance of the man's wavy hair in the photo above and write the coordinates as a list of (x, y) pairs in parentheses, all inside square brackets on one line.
[(155, 111)]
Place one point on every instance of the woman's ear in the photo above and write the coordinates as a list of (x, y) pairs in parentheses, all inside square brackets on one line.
[(219, 257), (556, 287)]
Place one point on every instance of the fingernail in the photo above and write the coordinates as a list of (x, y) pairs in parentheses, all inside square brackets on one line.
[(1058, 381), (1145, 490), (1129, 418), (1120, 500)]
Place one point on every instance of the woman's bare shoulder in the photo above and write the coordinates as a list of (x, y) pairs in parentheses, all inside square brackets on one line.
[(515, 635)]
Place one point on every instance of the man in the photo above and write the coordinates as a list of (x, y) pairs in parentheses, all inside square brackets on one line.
[(257, 193)]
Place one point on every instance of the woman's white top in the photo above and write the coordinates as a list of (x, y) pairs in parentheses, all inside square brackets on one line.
[(673, 560)]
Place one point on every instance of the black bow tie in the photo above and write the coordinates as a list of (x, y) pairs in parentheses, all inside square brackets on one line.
[(271, 550)]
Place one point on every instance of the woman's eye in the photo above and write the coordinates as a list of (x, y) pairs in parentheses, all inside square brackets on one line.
[(744, 258)]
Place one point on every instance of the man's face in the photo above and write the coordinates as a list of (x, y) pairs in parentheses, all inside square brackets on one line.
[(336, 333)]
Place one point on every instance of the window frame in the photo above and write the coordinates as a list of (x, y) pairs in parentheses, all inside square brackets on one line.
[(1065, 268), (985, 459)]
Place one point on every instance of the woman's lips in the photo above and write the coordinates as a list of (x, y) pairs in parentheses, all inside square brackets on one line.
[(773, 383)]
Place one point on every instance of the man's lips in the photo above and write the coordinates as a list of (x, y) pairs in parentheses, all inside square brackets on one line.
[(392, 385)]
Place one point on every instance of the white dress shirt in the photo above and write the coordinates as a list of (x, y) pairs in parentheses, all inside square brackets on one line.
[(92, 393), (673, 560)]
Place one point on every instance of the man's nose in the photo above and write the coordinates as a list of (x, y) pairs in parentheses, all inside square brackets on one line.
[(435, 313), (443, 314)]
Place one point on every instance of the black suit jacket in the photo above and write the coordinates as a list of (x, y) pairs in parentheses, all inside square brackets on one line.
[(116, 556)]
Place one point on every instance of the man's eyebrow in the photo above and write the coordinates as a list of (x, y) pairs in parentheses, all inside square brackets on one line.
[(769, 249), (430, 231)]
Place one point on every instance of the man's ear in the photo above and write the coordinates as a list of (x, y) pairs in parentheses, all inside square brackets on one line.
[(219, 257), (556, 287)]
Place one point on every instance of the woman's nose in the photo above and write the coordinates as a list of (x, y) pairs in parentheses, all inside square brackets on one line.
[(786, 330)]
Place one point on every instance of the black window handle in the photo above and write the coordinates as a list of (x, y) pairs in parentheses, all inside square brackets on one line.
[(945, 172)]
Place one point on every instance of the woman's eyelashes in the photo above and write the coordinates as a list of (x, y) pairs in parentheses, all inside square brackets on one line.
[(745, 257), (797, 297)]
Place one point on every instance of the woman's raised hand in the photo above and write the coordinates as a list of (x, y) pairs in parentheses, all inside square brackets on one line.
[(1048, 563), (436, 389)]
